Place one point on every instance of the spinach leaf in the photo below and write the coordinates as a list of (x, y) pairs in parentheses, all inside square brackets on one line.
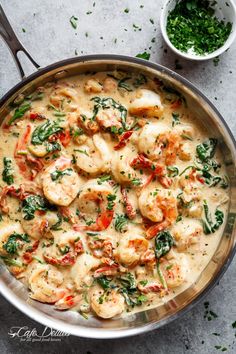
[(208, 225), (105, 103), (44, 131), (104, 282), (57, 225), (19, 112), (172, 171), (11, 245), (7, 173), (140, 80), (121, 222), (124, 85), (11, 262), (32, 203), (58, 174), (53, 146), (175, 119), (206, 150), (163, 243), (128, 282)]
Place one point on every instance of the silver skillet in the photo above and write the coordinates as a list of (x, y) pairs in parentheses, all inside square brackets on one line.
[(71, 322)]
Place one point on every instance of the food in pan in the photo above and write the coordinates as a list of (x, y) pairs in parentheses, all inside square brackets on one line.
[(113, 196)]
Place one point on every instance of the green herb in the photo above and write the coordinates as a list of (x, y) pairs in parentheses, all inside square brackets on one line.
[(143, 55), (192, 25), (73, 21), (143, 282), (64, 250), (110, 199), (82, 152), (161, 276), (208, 225), (11, 245), (175, 119), (121, 222), (52, 146), (234, 324), (163, 243), (44, 131), (32, 203), (126, 10), (7, 173), (11, 262), (104, 178), (172, 171), (140, 80), (19, 112), (58, 174), (124, 85), (206, 150), (57, 225), (104, 282), (136, 182), (107, 102)]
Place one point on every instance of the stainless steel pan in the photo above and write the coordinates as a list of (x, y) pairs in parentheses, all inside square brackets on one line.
[(204, 110)]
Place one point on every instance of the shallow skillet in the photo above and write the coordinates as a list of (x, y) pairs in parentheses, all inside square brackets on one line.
[(204, 110)]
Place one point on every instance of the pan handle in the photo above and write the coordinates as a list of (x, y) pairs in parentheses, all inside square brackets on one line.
[(13, 43)]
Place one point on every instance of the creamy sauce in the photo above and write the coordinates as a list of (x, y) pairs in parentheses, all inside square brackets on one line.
[(113, 198)]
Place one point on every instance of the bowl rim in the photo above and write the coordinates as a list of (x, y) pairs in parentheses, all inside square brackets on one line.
[(97, 333), (216, 53)]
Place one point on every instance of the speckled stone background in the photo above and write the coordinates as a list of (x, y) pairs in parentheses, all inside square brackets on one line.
[(104, 27)]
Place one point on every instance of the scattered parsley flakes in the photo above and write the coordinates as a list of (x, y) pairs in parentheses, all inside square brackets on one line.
[(126, 10), (73, 21)]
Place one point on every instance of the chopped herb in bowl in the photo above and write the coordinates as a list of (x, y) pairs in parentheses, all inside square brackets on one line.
[(193, 27)]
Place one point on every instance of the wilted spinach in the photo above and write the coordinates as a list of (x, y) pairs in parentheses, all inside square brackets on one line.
[(163, 243), (208, 225), (44, 131), (7, 173), (32, 203), (11, 245), (206, 150)]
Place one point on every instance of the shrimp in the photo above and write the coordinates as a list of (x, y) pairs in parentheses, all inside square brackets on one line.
[(94, 156), (81, 271), (5, 232), (45, 283), (109, 85), (122, 170), (40, 225), (96, 201), (108, 118), (67, 247), (175, 270), (146, 103), (60, 182), (92, 86), (157, 170), (160, 207), (186, 233), (131, 248), (159, 143), (68, 301), (106, 304)]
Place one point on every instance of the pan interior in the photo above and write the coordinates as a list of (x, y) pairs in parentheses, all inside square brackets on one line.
[(73, 322)]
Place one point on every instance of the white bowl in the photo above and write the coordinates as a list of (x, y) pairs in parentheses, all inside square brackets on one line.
[(225, 10)]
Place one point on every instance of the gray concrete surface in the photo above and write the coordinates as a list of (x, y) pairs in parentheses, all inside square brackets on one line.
[(108, 29)]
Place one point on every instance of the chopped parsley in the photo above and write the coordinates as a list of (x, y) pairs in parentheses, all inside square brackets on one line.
[(192, 25), (74, 21), (58, 174)]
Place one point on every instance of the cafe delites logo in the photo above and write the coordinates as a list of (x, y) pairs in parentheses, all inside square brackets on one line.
[(26, 334)]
